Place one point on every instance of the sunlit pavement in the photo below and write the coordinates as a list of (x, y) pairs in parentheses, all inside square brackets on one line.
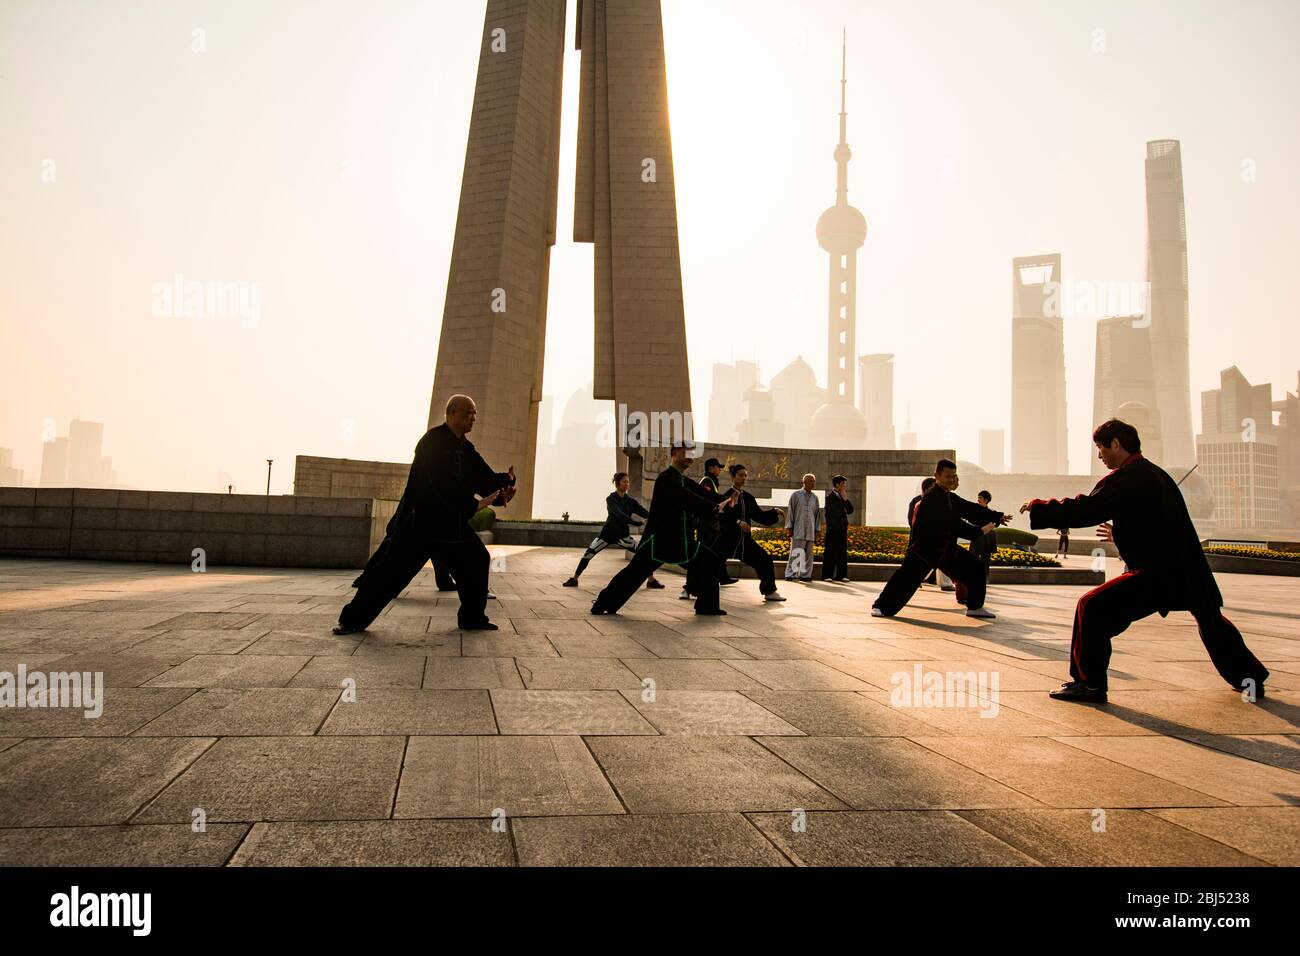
[(236, 729)]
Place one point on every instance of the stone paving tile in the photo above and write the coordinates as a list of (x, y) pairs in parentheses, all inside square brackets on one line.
[(124, 709), (891, 773), (172, 844), (399, 670), (772, 648), (1271, 834), (838, 714), (186, 644), (231, 670), (404, 711), (1085, 719), (679, 674), (1129, 838), (887, 675), (566, 712), (887, 838), (541, 673), (1231, 778), (980, 717), (517, 776), (552, 628), (85, 782), (7, 742), (472, 673), (287, 644), (254, 779), (1059, 775), (1215, 712), (686, 839), (208, 620), (694, 774), (598, 645), (1276, 750), (798, 675), (861, 648), (500, 644), (244, 712), (76, 641), (376, 843), (418, 645), (672, 645), (119, 670), (707, 713)]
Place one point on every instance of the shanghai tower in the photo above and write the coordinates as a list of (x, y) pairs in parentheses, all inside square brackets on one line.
[(1167, 313)]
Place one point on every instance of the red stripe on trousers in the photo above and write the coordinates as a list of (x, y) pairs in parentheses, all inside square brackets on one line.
[(1078, 617)]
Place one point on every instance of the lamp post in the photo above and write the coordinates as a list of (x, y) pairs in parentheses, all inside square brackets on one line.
[(268, 475)]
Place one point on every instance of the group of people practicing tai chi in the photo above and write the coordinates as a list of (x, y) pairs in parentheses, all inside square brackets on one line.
[(699, 525)]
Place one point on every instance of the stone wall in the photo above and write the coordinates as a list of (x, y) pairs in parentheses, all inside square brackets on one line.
[(165, 527), (348, 478)]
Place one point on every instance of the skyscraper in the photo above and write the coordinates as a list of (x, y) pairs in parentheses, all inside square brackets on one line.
[(1237, 452), (993, 452), (1038, 438), (1167, 274), (1124, 383), (876, 398), (841, 231), (727, 400)]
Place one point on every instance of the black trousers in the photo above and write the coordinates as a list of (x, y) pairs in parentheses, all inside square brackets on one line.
[(958, 564), (747, 551), (701, 580), (467, 561), (1108, 610), (835, 554), (441, 577)]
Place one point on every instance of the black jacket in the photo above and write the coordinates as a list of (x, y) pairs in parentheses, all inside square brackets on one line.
[(1152, 530), (669, 537), (837, 512), (941, 518), (445, 478), (621, 511), (747, 509)]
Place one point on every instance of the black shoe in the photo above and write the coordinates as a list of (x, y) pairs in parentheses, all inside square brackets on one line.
[(716, 612), (599, 608), (1259, 692), (653, 585), (483, 625), (1076, 691), (571, 583), (357, 582), (723, 582), (341, 630)]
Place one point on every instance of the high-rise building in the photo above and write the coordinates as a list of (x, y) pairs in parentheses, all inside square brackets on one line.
[(727, 400), (876, 398), (1167, 274), (77, 460), (841, 231), (1124, 384), (1038, 438), (1237, 452), (54, 463), (993, 452), (1288, 450), (10, 476), (760, 425), (795, 397)]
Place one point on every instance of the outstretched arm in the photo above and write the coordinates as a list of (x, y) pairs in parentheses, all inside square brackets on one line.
[(1082, 511)]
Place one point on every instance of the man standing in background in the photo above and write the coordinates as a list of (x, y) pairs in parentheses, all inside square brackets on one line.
[(802, 519), (835, 550)]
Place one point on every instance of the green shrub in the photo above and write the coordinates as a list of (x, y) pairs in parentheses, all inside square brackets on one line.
[(484, 520)]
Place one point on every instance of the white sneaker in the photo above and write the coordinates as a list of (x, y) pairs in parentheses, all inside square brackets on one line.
[(491, 596), (684, 596), (774, 596), (877, 612), (979, 612)]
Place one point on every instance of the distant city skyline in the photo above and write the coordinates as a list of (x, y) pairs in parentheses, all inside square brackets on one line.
[(330, 180)]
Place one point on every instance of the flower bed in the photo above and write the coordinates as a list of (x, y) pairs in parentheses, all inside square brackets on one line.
[(886, 546), (1233, 551)]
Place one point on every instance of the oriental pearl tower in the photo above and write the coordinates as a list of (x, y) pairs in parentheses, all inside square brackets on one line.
[(841, 231)]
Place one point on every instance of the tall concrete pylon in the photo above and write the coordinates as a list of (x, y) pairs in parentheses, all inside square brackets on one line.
[(494, 323)]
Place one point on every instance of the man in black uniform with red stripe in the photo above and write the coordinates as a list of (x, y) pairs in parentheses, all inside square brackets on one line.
[(1167, 569)]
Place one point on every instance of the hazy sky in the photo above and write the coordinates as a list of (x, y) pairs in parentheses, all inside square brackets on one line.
[(315, 149)]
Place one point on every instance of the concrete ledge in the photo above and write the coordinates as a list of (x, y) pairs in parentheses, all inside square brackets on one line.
[(1234, 564), (167, 526), (571, 534), (882, 572)]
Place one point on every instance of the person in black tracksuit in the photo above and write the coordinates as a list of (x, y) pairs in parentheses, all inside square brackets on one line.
[(622, 511), (939, 519), (1166, 568), (711, 529), (442, 577), (442, 494), (670, 539), (737, 541), (926, 485), (835, 545)]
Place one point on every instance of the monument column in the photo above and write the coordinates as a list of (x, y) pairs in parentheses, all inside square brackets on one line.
[(494, 321)]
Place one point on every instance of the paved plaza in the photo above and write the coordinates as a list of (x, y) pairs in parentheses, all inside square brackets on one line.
[(229, 732)]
